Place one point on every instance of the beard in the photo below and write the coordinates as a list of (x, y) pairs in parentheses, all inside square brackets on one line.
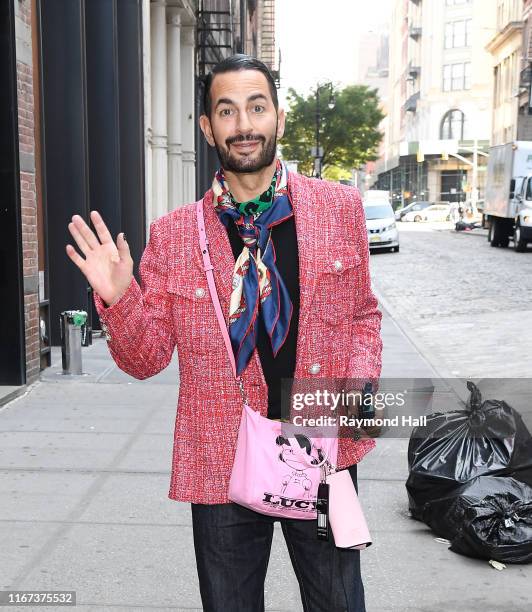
[(260, 160)]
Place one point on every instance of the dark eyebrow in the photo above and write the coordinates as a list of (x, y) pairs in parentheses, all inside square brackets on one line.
[(256, 97), (251, 98), (223, 101)]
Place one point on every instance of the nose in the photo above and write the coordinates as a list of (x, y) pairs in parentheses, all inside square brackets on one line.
[(244, 125)]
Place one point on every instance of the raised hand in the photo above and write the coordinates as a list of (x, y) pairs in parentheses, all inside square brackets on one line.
[(107, 266)]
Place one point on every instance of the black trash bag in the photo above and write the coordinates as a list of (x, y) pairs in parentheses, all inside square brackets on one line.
[(490, 517), (454, 447), (445, 515)]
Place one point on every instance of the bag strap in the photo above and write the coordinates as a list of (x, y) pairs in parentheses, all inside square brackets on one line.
[(208, 268)]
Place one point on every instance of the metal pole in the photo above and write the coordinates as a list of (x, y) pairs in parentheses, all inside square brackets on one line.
[(474, 178)]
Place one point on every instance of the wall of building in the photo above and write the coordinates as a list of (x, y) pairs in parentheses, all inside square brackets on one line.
[(505, 47), (28, 199)]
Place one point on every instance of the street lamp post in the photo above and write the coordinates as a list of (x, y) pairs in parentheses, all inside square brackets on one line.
[(318, 154), (317, 161)]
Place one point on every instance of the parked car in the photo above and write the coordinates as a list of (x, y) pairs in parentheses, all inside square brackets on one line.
[(380, 223), (437, 212), (412, 207), (434, 212)]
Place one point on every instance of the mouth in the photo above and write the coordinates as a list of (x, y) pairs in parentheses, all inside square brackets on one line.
[(246, 146)]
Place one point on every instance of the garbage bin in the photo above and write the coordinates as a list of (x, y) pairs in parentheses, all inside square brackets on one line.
[(71, 322)]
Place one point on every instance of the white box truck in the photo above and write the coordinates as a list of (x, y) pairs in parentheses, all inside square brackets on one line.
[(508, 203), (376, 194)]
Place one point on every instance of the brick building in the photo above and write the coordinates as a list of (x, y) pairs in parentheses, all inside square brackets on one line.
[(20, 218)]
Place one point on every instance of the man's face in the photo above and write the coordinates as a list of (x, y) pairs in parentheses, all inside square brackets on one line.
[(244, 125)]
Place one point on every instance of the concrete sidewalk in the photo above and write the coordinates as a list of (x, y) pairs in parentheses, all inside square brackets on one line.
[(84, 468)]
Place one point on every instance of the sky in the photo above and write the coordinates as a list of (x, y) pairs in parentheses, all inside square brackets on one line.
[(318, 39)]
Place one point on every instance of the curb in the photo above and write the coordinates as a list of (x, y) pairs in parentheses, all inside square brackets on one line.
[(17, 393), (484, 233)]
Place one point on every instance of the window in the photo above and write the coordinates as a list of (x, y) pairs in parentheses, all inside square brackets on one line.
[(452, 125), (456, 76), (529, 190), (448, 35), (458, 34), (497, 85)]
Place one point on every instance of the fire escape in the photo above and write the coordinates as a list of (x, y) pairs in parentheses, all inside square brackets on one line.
[(214, 33)]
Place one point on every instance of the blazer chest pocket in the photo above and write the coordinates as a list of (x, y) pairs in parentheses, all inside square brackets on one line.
[(194, 308), (337, 279)]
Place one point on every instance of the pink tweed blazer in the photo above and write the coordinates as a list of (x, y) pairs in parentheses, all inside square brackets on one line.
[(339, 326)]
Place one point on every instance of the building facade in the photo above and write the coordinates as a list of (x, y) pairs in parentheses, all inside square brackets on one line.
[(439, 119), (20, 213), (511, 56), (525, 77)]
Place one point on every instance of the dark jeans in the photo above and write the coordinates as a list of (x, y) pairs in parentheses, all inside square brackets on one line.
[(233, 543)]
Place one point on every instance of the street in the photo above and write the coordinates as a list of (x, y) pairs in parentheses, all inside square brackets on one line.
[(466, 303)]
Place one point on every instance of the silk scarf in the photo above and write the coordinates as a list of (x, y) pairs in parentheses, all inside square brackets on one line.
[(257, 287)]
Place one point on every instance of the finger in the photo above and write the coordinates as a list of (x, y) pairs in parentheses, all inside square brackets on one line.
[(80, 240), (86, 232), (103, 233), (123, 246), (75, 256)]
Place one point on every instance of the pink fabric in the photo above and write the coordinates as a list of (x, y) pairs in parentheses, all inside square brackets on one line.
[(271, 473), (339, 326), (348, 523)]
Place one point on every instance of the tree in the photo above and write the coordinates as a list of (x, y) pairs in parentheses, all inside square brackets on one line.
[(349, 132)]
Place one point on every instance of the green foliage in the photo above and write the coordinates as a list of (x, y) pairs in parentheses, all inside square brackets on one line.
[(334, 173), (349, 132)]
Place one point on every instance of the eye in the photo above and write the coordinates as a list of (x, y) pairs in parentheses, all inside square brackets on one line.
[(258, 108), (225, 112)]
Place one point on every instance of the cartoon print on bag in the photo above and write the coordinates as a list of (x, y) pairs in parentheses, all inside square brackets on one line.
[(297, 484)]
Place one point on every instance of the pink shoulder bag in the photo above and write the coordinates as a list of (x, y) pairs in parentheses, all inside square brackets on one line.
[(278, 467)]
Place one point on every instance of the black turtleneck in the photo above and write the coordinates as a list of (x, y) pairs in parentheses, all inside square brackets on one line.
[(284, 240)]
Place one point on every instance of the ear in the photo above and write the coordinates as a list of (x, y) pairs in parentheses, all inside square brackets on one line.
[(205, 125), (281, 118)]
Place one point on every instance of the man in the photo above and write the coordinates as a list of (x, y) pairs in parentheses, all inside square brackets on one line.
[(311, 314)]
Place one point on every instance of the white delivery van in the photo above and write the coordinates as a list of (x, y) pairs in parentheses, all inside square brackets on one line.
[(508, 204)]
